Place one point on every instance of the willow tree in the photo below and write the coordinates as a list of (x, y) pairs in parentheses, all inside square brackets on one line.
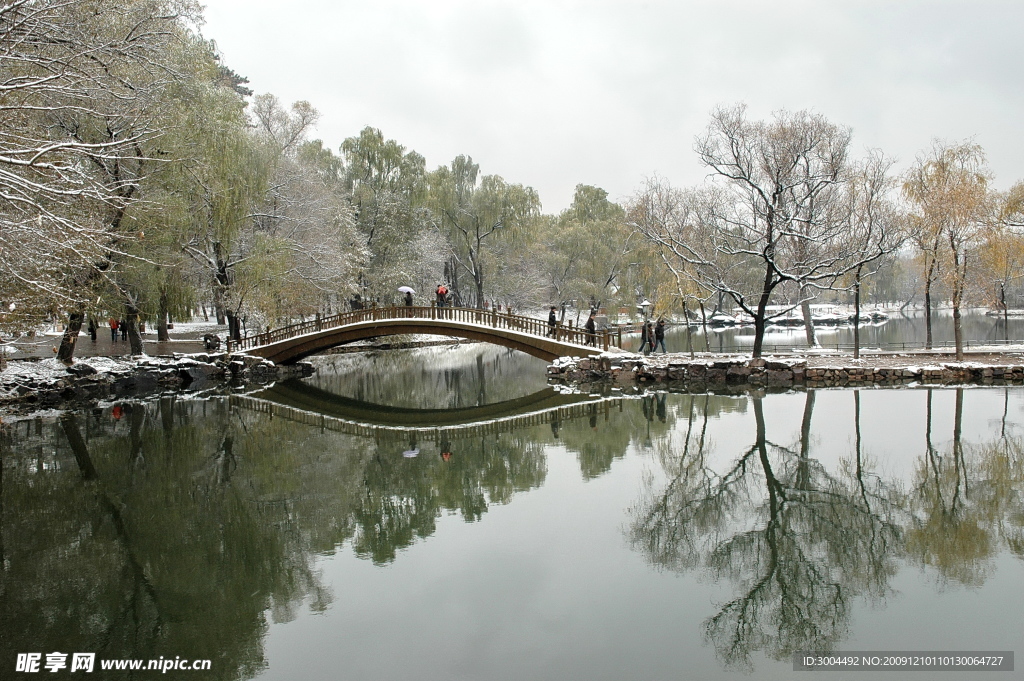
[(949, 189), (386, 184), (1001, 255), (222, 179), (586, 248), (305, 219), (473, 212), (82, 93)]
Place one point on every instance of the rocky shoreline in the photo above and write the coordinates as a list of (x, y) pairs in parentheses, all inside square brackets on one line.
[(700, 374), (30, 386)]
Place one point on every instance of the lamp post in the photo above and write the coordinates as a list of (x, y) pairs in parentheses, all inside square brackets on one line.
[(646, 307)]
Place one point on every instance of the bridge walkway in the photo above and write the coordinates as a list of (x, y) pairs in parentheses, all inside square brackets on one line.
[(291, 343)]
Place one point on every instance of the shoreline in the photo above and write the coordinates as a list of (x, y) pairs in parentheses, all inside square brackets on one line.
[(33, 385), (28, 386), (680, 371)]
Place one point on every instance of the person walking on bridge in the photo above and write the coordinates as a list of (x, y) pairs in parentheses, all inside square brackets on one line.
[(659, 336), (644, 338), (552, 322), (442, 295), (648, 338), (408, 298), (591, 330)]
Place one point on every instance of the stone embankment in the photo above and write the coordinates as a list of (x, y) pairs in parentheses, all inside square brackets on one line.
[(726, 371), (51, 384)]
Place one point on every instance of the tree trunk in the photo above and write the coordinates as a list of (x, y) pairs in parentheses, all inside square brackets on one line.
[(805, 308), (218, 304), (857, 443), (958, 449), (161, 320), (759, 320), (234, 327), (758, 333), (762, 304), (689, 334), (812, 339), (167, 414), (1006, 312), (928, 305), (959, 281), (929, 449), (131, 320), (69, 340), (704, 323), (478, 281), (856, 316), (958, 335), (803, 469)]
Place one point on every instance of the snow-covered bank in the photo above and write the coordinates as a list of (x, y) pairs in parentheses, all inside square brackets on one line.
[(717, 371), (48, 383)]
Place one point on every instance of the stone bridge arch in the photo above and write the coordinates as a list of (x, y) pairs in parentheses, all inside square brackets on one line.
[(295, 342)]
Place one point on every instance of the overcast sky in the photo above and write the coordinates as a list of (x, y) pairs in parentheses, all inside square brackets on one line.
[(557, 92)]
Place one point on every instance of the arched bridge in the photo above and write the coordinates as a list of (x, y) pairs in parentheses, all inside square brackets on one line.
[(532, 336)]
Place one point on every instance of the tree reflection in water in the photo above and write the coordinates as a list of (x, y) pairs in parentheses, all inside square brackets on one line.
[(402, 500), (169, 529), (176, 526), (965, 502), (800, 543), (186, 526)]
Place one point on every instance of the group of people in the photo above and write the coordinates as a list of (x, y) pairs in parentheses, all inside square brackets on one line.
[(117, 326), (590, 326), (651, 336)]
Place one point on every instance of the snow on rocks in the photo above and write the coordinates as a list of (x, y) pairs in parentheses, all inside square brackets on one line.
[(49, 382), (721, 370)]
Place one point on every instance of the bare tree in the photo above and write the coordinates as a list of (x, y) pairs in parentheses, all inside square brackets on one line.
[(875, 221), (776, 212)]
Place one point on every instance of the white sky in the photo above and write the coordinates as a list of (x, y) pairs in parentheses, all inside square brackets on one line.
[(558, 92)]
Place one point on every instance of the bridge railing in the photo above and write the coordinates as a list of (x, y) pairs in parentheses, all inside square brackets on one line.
[(497, 320)]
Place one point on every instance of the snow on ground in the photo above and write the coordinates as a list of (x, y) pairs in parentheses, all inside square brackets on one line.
[(196, 328), (47, 371), (43, 371)]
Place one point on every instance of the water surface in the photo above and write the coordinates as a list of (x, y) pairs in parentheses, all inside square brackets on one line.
[(906, 329), (663, 537)]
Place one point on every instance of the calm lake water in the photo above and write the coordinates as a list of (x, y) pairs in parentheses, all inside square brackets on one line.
[(329, 529), (907, 327)]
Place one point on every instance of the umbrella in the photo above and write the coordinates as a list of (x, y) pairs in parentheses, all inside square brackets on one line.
[(406, 289)]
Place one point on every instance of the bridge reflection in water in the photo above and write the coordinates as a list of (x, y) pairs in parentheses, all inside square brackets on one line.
[(305, 404)]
